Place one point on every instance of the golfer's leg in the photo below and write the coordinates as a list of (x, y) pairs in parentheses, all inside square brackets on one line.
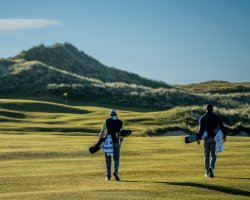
[(212, 149), (116, 157), (206, 155), (108, 166)]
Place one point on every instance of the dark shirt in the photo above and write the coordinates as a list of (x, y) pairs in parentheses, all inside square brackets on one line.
[(209, 122), (113, 128)]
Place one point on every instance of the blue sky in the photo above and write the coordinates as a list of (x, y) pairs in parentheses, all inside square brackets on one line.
[(176, 41)]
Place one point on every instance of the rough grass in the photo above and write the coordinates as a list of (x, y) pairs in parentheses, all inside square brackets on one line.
[(60, 167), (221, 87)]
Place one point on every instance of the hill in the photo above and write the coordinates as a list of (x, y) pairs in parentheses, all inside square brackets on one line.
[(31, 78), (68, 58), (214, 87), (51, 71)]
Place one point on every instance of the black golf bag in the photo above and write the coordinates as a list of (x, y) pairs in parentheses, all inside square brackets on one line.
[(96, 147)]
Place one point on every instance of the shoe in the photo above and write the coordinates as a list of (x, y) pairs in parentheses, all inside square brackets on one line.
[(206, 175), (107, 179), (211, 172), (116, 176)]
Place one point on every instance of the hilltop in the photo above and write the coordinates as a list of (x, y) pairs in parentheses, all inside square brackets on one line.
[(68, 58), (54, 70), (213, 87)]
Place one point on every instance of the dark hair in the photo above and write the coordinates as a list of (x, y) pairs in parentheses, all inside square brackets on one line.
[(209, 107)]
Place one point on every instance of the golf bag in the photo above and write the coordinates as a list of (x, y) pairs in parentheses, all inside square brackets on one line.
[(191, 138), (125, 133), (97, 146)]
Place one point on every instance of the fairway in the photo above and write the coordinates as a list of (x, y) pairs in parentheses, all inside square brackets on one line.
[(133, 79), (60, 167)]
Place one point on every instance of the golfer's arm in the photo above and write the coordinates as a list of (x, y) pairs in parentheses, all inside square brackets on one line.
[(200, 132), (103, 130)]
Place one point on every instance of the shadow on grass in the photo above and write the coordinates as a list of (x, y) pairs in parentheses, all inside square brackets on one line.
[(46, 107), (80, 101), (64, 130), (12, 115), (227, 190), (223, 189), (232, 178)]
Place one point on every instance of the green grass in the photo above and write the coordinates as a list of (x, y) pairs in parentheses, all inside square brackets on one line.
[(40, 116), (32, 116), (60, 167), (44, 154)]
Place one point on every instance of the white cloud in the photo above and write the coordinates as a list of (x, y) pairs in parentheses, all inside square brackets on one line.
[(14, 24)]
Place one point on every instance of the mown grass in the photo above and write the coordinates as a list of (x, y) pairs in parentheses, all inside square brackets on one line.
[(60, 167), (36, 116)]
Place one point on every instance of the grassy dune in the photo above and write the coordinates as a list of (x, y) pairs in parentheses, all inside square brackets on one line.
[(56, 167)]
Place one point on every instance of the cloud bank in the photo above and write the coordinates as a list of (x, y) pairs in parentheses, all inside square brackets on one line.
[(15, 24)]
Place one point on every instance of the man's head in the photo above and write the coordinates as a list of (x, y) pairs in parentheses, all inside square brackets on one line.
[(209, 107), (112, 112)]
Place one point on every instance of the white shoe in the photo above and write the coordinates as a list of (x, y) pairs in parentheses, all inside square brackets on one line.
[(206, 175)]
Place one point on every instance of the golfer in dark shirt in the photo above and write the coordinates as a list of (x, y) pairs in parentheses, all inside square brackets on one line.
[(210, 123), (112, 126)]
